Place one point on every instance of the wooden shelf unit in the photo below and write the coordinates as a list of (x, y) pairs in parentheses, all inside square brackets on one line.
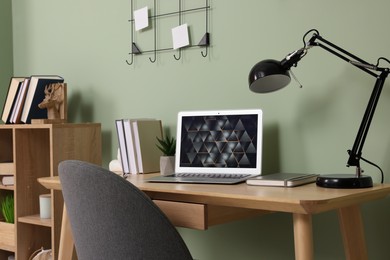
[(29, 152)]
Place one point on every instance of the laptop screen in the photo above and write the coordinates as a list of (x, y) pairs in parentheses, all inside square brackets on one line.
[(219, 141)]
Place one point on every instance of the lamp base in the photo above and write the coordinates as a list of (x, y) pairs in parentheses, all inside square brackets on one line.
[(344, 181)]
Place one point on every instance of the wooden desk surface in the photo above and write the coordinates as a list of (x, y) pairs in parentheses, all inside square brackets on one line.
[(302, 202), (306, 199)]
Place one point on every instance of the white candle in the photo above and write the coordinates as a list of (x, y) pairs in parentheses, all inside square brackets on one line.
[(45, 205)]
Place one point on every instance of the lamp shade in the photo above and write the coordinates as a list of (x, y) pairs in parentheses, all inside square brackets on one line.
[(267, 76)]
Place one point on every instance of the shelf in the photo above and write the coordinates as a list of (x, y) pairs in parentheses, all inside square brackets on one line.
[(35, 220), (8, 187), (7, 234), (29, 152)]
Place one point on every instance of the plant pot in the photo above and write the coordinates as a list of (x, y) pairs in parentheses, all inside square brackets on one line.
[(167, 165)]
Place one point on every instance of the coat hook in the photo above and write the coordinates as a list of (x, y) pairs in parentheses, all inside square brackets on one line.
[(132, 34), (134, 51), (206, 37), (204, 54), (205, 42), (154, 60), (177, 58), (130, 63), (155, 32), (180, 12)]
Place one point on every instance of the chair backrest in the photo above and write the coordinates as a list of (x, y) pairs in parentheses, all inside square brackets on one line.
[(112, 219)]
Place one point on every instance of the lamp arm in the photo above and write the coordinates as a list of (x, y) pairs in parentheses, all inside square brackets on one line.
[(356, 152), (316, 40), (346, 57)]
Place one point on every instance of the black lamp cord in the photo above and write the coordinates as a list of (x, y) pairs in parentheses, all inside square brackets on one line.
[(375, 165)]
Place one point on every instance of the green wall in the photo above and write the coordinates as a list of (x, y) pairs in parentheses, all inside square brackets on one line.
[(305, 130), (5, 47)]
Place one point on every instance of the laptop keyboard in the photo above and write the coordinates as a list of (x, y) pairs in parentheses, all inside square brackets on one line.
[(211, 175)]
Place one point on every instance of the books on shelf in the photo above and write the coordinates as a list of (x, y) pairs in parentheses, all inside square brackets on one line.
[(7, 171), (35, 95), (137, 145), (7, 180), (283, 179), (23, 97), (10, 101), (17, 109)]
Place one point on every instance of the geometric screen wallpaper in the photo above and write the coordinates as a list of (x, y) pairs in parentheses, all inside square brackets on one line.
[(219, 141)]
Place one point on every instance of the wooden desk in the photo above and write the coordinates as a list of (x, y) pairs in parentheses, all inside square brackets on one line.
[(214, 204)]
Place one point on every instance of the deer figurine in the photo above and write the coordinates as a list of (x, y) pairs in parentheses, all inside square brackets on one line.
[(55, 101)]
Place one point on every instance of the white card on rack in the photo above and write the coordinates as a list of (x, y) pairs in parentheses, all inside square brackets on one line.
[(141, 19), (180, 36)]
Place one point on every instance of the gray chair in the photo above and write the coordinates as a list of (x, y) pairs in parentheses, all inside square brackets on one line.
[(112, 219)]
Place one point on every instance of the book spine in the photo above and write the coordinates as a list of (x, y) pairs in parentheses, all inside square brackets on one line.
[(8, 180), (131, 152), (122, 146), (137, 146), (18, 110)]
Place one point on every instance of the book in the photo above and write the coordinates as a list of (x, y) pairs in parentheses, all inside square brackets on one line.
[(129, 139), (147, 153), (122, 146), (283, 179), (14, 104), (35, 95), (7, 180), (17, 109), (7, 168), (11, 97)]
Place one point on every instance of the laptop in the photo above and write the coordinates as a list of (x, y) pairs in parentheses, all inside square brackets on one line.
[(221, 147)]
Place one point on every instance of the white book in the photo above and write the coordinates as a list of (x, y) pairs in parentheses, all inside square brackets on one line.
[(8, 180), (283, 179), (11, 97), (131, 152), (122, 146), (17, 111)]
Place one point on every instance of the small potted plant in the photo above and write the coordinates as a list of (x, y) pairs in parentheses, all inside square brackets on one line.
[(167, 146)]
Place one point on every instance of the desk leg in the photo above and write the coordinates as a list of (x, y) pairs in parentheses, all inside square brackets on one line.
[(303, 236), (66, 238), (352, 231)]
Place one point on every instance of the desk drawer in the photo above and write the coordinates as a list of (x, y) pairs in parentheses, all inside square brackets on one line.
[(201, 216), (183, 214)]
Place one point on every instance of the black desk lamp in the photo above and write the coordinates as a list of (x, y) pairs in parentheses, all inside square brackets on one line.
[(270, 75)]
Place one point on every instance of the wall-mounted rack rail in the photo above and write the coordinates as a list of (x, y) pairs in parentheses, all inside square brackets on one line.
[(203, 43)]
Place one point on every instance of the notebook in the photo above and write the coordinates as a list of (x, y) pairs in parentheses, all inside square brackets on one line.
[(217, 147)]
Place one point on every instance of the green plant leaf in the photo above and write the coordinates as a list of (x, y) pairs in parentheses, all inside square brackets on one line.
[(7, 208), (167, 145)]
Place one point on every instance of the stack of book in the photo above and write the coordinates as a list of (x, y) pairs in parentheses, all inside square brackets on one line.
[(24, 95), (7, 173), (137, 140)]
